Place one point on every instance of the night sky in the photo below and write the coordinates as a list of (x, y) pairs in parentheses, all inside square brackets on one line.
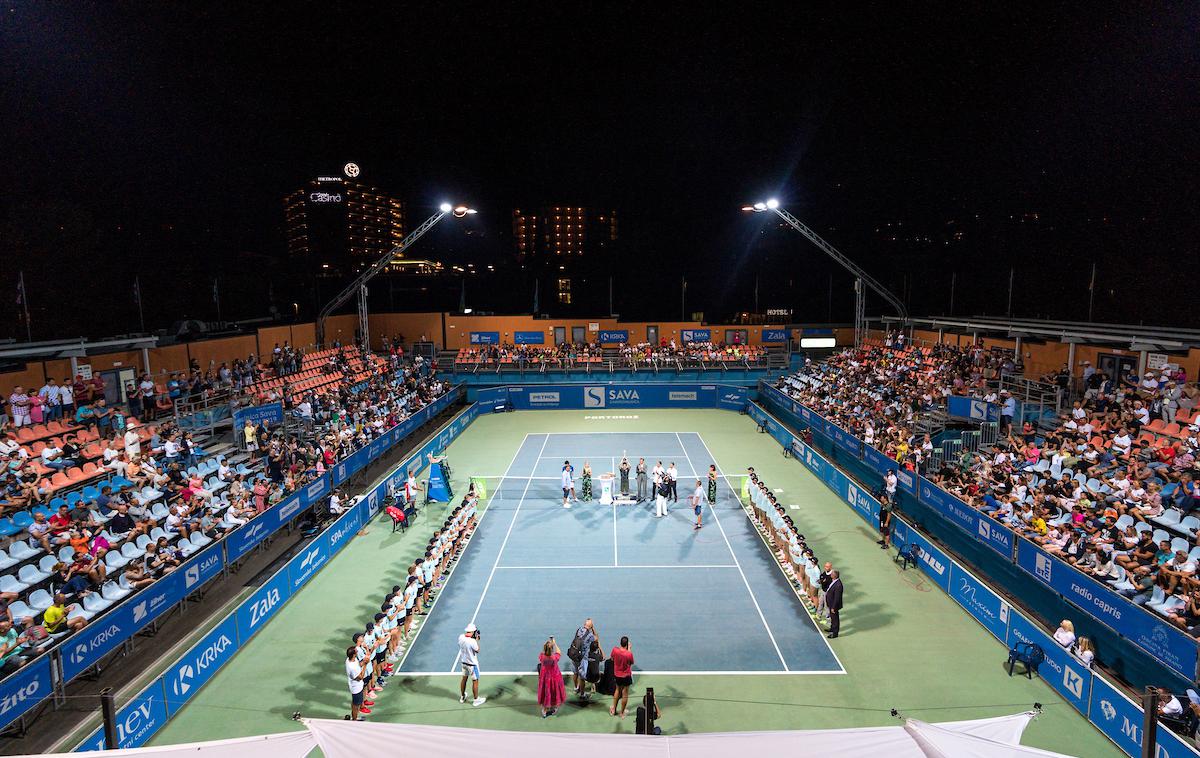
[(157, 140)]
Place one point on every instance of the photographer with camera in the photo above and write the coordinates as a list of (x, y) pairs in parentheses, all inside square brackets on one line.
[(468, 656), (551, 691)]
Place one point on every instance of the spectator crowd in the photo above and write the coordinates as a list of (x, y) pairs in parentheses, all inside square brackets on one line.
[(1112, 486)]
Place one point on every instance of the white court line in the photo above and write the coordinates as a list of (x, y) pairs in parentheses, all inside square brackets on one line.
[(626, 566), (745, 581), (614, 510), (503, 544), (429, 614), (773, 672), (771, 554)]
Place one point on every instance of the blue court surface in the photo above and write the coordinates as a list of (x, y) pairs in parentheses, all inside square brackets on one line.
[(691, 601)]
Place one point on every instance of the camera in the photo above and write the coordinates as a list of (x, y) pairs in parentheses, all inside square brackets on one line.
[(475, 634)]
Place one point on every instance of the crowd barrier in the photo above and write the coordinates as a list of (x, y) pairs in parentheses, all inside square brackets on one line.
[(1162, 640), (50, 672), (146, 712), (613, 396), (1102, 703)]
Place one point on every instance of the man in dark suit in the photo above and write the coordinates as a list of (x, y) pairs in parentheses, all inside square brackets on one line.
[(833, 602)]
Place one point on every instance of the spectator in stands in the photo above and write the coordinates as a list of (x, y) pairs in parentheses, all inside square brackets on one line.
[(73, 585), (56, 618), (18, 405), (1187, 616), (136, 575), (66, 400), (1064, 635), (12, 647), (51, 399)]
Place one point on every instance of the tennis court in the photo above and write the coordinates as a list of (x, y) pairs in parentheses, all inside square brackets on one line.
[(692, 601), (904, 644)]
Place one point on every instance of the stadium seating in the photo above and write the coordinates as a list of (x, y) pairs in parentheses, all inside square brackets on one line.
[(1104, 487), (329, 379)]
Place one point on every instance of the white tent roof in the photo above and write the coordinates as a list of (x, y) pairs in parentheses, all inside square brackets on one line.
[(980, 738)]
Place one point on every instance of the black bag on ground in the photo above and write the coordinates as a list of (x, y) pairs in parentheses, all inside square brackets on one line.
[(608, 679)]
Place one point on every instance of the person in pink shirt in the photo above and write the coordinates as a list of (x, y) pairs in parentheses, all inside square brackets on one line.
[(552, 693), (260, 496)]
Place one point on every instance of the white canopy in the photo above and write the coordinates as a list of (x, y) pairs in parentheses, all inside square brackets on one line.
[(980, 738)]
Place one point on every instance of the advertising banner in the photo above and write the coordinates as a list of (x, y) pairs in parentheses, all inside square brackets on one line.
[(809, 457), (979, 601), (255, 610), (1157, 636), (776, 335), (488, 399), (1060, 670), (529, 338), (619, 336), (105, 633), (203, 567), (934, 562), (696, 335), (985, 529), (195, 667), (854, 495), (733, 398), (243, 540), (621, 396), (485, 338), (271, 413), (24, 689), (973, 410), (137, 721), (844, 439), (1121, 721), (308, 561)]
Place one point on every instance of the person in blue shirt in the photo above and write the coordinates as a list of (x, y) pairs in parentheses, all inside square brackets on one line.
[(84, 415)]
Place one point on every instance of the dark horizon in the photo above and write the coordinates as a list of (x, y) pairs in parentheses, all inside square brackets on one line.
[(158, 142)]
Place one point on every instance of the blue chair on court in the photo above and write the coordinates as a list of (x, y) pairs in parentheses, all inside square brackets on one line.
[(910, 553), (1028, 655)]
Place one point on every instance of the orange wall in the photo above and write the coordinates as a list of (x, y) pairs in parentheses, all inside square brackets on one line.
[(172, 358), (304, 335), (1044, 358), (212, 353), (270, 336), (411, 325), (459, 328), (169, 358)]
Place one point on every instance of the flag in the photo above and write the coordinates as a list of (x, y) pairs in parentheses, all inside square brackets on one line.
[(21, 288), (462, 297), (137, 292), (216, 292), (535, 295)]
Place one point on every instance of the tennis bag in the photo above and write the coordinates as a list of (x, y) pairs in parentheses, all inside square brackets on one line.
[(608, 679), (575, 651), (595, 659)]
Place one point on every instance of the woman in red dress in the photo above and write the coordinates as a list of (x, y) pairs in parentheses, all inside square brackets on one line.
[(551, 691)]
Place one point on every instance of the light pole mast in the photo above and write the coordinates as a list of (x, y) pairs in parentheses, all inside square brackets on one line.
[(359, 285), (863, 280)]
